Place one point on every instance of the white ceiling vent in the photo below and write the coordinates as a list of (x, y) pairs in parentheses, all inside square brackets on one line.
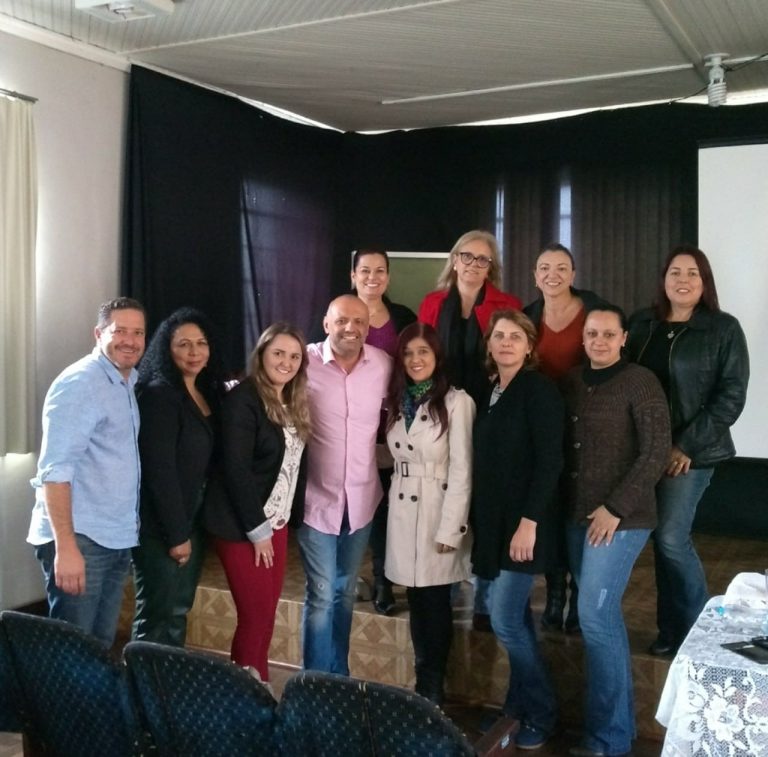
[(125, 10)]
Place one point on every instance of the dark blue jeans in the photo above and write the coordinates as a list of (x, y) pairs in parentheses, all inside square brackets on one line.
[(602, 574), (680, 580), (97, 611), (530, 696), (331, 563)]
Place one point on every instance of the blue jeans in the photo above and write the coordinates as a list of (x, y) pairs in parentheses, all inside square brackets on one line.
[(602, 574), (97, 611), (331, 564), (680, 581), (530, 696)]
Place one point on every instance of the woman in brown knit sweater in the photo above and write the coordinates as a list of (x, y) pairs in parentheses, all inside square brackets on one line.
[(617, 444)]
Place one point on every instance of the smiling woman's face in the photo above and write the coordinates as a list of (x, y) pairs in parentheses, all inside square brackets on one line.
[(682, 282)]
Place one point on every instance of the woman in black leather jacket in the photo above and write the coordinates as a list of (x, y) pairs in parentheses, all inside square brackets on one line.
[(699, 354)]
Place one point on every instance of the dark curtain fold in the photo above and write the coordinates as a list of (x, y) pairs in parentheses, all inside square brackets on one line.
[(252, 218), (530, 216), (625, 218), (229, 209)]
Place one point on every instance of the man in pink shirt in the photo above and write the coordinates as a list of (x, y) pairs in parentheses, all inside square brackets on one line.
[(347, 385)]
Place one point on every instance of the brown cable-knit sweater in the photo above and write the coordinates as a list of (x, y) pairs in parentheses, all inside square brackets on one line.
[(617, 444)]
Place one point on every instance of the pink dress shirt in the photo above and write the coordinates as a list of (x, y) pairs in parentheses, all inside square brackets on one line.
[(345, 410)]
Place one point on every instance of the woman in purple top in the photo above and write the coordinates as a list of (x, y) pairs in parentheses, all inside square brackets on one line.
[(370, 279)]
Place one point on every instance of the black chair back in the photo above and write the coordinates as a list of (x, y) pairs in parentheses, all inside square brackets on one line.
[(328, 715), (10, 696), (193, 703), (75, 696)]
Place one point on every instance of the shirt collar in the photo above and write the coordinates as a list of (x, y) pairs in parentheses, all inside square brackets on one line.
[(329, 357)]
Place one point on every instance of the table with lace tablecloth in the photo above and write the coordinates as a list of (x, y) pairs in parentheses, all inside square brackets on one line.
[(715, 701)]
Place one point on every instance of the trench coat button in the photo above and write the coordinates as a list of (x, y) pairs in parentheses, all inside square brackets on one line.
[(410, 447), (574, 418), (397, 445), (577, 445), (574, 474), (401, 496), (414, 498), (463, 529), (445, 486), (424, 417)]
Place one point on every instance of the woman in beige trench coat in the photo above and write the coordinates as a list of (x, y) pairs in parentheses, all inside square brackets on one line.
[(429, 433)]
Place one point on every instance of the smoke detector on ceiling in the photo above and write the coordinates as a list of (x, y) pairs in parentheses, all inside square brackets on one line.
[(125, 10)]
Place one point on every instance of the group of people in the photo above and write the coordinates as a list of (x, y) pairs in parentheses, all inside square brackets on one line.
[(476, 438)]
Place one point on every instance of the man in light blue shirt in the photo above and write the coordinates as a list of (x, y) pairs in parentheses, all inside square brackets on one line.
[(85, 518)]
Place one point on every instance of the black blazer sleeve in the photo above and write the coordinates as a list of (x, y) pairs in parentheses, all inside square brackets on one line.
[(252, 453)]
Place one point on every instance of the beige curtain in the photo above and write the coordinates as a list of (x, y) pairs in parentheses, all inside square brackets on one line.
[(18, 223)]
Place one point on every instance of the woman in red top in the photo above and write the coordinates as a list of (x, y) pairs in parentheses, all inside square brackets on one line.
[(559, 316), (460, 308)]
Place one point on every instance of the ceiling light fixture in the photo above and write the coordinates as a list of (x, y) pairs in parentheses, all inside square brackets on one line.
[(125, 10), (717, 91)]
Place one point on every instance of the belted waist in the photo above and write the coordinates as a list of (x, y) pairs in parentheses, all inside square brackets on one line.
[(418, 470)]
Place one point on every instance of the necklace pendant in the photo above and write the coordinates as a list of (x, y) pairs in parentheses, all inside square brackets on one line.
[(671, 334)]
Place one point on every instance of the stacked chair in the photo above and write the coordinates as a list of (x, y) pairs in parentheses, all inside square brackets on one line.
[(327, 715), (71, 698), (192, 703)]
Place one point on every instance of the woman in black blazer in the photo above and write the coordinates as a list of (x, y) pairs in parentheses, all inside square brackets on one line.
[(178, 392), (259, 487), (517, 439)]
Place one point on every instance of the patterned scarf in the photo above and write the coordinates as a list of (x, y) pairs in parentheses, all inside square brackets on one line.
[(415, 395)]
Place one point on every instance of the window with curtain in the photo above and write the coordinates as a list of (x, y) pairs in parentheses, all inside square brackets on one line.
[(18, 210)]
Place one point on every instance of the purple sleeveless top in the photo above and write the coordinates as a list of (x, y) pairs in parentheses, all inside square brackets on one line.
[(385, 338)]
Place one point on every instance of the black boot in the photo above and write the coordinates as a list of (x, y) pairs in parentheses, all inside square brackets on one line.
[(552, 617), (430, 685), (572, 619), (383, 598)]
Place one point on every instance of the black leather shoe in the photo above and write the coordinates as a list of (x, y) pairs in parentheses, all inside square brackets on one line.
[(663, 648), (552, 617), (383, 598)]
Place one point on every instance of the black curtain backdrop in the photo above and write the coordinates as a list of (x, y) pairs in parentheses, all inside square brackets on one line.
[(252, 218)]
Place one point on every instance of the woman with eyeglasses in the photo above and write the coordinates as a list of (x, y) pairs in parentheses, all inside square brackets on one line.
[(460, 308)]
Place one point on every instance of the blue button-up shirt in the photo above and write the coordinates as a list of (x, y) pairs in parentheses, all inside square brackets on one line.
[(90, 440)]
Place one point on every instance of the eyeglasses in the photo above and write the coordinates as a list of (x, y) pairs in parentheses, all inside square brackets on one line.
[(468, 258)]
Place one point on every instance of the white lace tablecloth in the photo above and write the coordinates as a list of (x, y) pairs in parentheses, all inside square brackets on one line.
[(715, 702)]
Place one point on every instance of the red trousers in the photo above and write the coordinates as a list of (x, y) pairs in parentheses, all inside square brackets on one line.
[(256, 592)]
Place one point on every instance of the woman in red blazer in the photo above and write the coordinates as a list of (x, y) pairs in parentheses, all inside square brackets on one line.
[(460, 308)]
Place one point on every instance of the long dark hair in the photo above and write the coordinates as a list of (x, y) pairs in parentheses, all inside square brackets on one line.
[(399, 379), (662, 306), (157, 364)]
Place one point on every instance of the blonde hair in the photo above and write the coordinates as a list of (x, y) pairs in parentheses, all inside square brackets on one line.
[(294, 408), (447, 277), (525, 323)]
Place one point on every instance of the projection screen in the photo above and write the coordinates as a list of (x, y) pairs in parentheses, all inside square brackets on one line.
[(733, 232)]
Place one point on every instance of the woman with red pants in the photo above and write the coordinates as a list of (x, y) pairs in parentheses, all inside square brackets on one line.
[(260, 486)]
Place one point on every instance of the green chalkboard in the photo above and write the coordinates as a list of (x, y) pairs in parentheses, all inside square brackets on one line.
[(412, 275)]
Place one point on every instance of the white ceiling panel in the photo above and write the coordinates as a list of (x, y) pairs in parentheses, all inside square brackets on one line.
[(340, 61)]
